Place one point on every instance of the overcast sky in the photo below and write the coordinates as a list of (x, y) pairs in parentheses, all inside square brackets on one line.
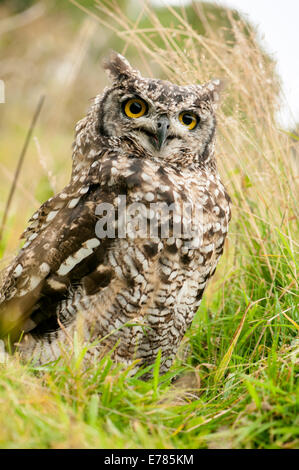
[(277, 22)]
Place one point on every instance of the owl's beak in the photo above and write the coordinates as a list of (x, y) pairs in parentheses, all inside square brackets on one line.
[(162, 130)]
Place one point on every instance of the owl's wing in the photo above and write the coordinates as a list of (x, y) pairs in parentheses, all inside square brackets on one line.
[(61, 249)]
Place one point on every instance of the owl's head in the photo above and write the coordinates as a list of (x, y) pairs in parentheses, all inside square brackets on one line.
[(171, 123)]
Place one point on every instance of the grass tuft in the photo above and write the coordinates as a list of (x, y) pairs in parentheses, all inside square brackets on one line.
[(237, 369)]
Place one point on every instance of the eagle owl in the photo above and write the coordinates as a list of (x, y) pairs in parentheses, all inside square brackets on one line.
[(127, 247)]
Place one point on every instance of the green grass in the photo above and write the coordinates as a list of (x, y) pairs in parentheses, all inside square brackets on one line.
[(234, 383)]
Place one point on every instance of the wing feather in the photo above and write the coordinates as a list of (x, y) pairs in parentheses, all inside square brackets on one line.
[(61, 248)]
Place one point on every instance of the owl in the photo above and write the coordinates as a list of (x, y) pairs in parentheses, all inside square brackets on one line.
[(126, 249)]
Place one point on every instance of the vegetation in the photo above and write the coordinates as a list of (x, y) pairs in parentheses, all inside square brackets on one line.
[(234, 383)]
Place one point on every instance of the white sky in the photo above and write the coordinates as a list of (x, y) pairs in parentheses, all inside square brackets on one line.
[(277, 22)]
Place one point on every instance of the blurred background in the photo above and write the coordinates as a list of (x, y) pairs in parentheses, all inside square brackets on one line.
[(55, 48)]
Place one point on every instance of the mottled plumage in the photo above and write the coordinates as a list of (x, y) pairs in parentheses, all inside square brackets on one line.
[(140, 292)]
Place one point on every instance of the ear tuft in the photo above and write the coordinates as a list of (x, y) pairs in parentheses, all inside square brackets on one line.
[(118, 68)]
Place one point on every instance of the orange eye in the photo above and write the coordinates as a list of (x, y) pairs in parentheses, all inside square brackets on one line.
[(189, 119), (135, 108)]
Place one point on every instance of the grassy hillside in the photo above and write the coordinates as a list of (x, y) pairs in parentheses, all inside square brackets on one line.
[(236, 374)]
